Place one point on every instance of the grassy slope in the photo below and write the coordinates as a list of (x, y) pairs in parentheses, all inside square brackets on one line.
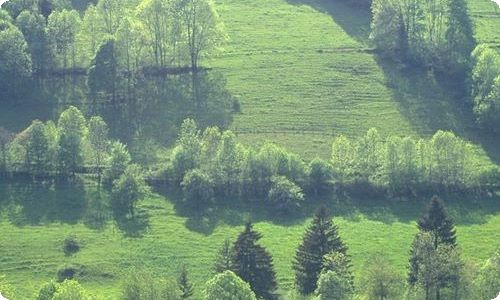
[(301, 72), (30, 255)]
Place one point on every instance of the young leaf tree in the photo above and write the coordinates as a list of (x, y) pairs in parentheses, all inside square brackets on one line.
[(284, 195), (98, 138), (320, 175), (15, 60), (253, 264), (203, 29), (223, 260), (119, 159), (129, 189), (37, 150), (198, 188), (332, 286), (62, 27), (32, 25), (72, 129), (380, 280), (228, 286), (433, 268), (320, 239)]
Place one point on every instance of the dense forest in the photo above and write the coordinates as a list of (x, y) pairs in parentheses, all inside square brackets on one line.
[(132, 108)]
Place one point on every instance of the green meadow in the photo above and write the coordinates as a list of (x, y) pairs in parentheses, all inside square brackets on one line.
[(168, 236)]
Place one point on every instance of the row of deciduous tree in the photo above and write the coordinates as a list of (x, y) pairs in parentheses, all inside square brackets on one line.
[(433, 33), (244, 270), (213, 163), (148, 33)]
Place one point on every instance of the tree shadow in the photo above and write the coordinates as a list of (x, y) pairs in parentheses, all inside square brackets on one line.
[(430, 101), (354, 20), (465, 210)]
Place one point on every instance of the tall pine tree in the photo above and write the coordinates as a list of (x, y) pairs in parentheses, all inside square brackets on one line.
[(321, 238), (252, 263), (436, 221)]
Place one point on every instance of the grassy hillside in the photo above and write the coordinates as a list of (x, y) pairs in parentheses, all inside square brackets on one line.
[(31, 252), (303, 72)]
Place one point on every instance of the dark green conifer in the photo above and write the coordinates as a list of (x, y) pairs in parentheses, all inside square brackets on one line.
[(252, 263), (321, 238), (223, 259), (436, 221)]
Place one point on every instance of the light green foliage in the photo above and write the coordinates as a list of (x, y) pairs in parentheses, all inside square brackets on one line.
[(487, 282), (486, 86), (332, 286), (228, 286), (70, 290), (320, 175), (437, 267), (47, 291), (198, 188), (32, 25), (380, 279), (186, 154), (385, 26), (141, 285), (342, 158), (62, 28), (37, 148), (119, 159), (228, 167), (15, 60), (129, 188), (204, 32), (6, 289), (98, 139), (284, 195), (72, 129)]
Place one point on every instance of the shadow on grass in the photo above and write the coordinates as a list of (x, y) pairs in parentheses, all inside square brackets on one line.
[(354, 20), (430, 102), (433, 102), (465, 210)]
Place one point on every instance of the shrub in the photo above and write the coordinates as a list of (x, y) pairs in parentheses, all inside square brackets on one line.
[(71, 245), (68, 271), (285, 195), (197, 187)]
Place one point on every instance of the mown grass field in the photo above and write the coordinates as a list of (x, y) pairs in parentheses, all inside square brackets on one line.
[(32, 254), (303, 72)]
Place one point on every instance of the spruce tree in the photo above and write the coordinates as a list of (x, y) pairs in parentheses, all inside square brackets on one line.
[(436, 221), (185, 286), (252, 263), (320, 239), (441, 230), (223, 259)]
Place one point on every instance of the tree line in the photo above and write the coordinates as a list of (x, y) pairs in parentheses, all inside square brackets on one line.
[(243, 269), (43, 36), (434, 33), (211, 164)]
